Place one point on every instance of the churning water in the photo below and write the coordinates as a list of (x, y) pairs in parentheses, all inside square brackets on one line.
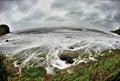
[(44, 45)]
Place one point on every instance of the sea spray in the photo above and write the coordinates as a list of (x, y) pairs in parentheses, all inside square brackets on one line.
[(44, 48)]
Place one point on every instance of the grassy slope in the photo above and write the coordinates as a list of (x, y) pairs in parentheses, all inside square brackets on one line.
[(107, 68)]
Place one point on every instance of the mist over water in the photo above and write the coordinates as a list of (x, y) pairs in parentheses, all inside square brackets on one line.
[(29, 45)]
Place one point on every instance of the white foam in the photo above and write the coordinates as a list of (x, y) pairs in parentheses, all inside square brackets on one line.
[(54, 43)]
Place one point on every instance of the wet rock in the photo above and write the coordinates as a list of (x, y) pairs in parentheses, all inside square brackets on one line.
[(6, 40), (4, 29), (71, 47), (116, 31), (66, 58)]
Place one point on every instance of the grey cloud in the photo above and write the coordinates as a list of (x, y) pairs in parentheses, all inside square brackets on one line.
[(101, 13), (32, 20), (117, 17), (70, 4), (55, 18), (74, 13), (37, 15), (5, 5), (25, 5), (97, 12), (115, 0), (64, 4)]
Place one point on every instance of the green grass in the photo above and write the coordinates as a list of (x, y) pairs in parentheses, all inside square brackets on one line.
[(3, 70), (107, 68), (33, 72)]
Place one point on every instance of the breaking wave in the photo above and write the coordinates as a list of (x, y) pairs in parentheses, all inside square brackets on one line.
[(43, 46)]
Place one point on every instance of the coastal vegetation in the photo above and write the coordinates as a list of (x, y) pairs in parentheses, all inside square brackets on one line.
[(105, 68)]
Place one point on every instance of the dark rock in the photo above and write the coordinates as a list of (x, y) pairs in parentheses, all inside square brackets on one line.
[(6, 40), (117, 41), (4, 29), (66, 58), (116, 31), (71, 47)]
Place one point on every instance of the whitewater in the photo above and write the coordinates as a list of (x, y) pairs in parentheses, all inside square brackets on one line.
[(43, 46)]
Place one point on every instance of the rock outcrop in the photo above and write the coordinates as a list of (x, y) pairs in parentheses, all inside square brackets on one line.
[(116, 31), (66, 58), (4, 29)]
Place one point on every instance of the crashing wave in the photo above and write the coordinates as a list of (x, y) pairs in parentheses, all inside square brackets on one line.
[(44, 46)]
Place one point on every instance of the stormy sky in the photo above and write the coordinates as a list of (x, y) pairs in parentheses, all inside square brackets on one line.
[(23, 14)]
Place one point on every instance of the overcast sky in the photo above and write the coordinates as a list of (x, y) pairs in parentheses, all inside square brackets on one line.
[(23, 14)]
